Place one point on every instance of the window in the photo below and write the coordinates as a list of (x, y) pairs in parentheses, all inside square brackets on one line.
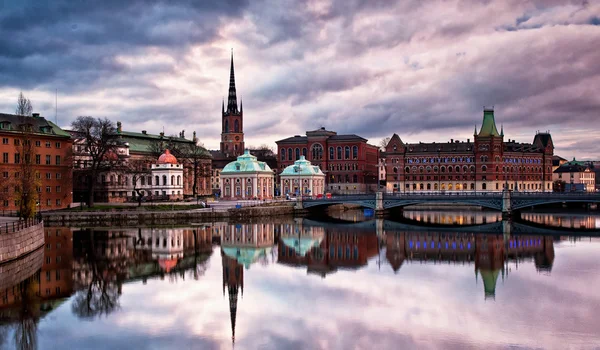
[(290, 154), (17, 158), (47, 160), (354, 152), (283, 154), (48, 144), (236, 125), (57, 145), (331, 153), (5, 140), (317, 151), (347, 152), (57, 160), (164, 180), (58, 202), (38, 143), (48, 202), (48, 189), (483, 168), (304, 152), (58, 176), (297, 153), (57, 188), (5, 157), (48, 176), (17, 142)]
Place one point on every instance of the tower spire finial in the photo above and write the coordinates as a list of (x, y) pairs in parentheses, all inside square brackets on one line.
[(232, 98)]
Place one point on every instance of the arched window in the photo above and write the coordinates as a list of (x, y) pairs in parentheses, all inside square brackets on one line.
[(395, 170), (435, 187), (464, 186), (355, 178), (483, 168), (331, 153), (178, 179), (354, 152), (156, 180), (442, 169), (143, 181), (304, 151), (290, 154), (316, 151), (484, 186), (297, 153), (428, 186), (164, 180), (457, 169), (283, 154), (172, 179), (226, 126), (339, 153), (347, 152), (449, 169), (236, 125), (407, 170)]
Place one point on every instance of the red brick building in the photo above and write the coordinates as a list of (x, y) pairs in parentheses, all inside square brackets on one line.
[(48, 148), (488, 163), (348, 161)]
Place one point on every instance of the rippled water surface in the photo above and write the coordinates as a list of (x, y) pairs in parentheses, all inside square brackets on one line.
[(303, 284)]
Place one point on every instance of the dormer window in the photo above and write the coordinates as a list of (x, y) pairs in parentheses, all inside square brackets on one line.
[(237, 167), (5, 125)]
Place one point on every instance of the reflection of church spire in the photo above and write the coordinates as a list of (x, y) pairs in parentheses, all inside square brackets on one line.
[(233, 296)]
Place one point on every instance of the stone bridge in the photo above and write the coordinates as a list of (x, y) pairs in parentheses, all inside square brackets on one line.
[(506, 201)]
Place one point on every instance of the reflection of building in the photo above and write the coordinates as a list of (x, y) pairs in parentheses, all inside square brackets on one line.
[(241, 246), (489, 163), (452, 218), (302, 178), (488, 252), (247, 178), (325, 251), (56, 277), (348, 160), (563, 220)]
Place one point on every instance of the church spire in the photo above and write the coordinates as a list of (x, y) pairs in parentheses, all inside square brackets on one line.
[(233, 295), (232, 98)]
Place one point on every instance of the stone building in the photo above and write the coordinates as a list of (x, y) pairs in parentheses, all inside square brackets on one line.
[(487, 163), (349, 162), (39, 142), (302, 178), (134, 158), (247, 178), (576, 176)]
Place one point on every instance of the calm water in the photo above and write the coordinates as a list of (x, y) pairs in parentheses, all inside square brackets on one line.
[(303, 284)]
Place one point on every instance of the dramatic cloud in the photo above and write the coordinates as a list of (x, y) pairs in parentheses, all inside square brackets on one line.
[(420, 69)]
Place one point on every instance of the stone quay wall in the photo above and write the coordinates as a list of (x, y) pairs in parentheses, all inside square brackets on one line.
[(21, 241), (18, 270), (132, 217)]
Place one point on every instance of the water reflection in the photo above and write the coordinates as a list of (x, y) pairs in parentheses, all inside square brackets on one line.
[(365, 268)]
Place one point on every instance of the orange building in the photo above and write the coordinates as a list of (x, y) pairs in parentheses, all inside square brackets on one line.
[(39, 141), (56, 279)]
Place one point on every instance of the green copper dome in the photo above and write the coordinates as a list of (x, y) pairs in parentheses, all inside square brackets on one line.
[(302, 167), (246, 163), (488, 128), (246, 255)]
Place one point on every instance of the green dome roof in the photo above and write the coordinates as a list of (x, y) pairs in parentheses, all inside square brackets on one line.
[(488, 127), (302, 245), (246, 255), (246, 163), (302, 167)]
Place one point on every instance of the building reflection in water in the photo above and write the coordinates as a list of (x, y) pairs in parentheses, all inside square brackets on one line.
[(573, 221), (488, 252), (453, 217)]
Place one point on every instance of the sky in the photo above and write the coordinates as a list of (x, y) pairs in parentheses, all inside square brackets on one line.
[(421, 69)]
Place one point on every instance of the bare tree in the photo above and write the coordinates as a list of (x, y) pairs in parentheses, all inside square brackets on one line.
[(23, 106), (139, 169), (384, 142), (99, 140), (196, 158)]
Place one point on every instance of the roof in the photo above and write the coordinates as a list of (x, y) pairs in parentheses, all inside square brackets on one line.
[(330, 135), (488, 127), (40, 125), (302, 245), (557, 160), (246, 163), (167, 158), (434, 147), (302, 167), (513, 146), (543, 139), (489, 277), (139, 142), (246, 255), (294, 139), (573, 166)]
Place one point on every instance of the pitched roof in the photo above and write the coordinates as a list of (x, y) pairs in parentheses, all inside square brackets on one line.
[(573, 166), (488, 127), (40, 125), (140, 142)]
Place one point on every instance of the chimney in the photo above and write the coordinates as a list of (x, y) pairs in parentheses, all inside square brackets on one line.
[(144, 132), (451, 140), (162, 133), (468, 140), (183, 134), (35, 115), (119, 127)]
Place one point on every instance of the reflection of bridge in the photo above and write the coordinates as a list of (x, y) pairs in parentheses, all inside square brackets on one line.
[(500, 227), (505, 201)]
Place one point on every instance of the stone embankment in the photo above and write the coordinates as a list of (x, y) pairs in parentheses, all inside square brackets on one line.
[(17, 270), (133, 217), (18, 238)]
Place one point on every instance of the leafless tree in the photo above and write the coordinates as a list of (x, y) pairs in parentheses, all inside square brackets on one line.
[(138, 169), (99, 140), (23, 106), (196, 158), (384, 142)]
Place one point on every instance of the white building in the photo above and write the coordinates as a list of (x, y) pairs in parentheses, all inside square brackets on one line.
[(247, 178), (168, 177), (302, 178)]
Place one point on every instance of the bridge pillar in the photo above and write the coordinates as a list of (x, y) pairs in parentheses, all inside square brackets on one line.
[(379, 202), (506, 204)]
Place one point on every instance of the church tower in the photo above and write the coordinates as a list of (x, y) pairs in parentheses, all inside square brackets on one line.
[(232, 135)]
